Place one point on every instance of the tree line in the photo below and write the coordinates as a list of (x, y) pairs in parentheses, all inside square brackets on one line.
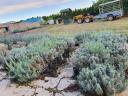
[(93, 10)]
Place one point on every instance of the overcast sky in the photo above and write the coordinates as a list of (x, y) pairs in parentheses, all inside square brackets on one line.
[(15, 10)]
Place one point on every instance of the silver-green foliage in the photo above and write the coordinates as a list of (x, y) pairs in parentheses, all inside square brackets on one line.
[(101, 57), (23, 71), (104, 47), (14, 38), (22, 62), (101, 80), (91, 52)]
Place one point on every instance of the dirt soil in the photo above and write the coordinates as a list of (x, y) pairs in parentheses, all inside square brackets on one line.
[(124, 93)]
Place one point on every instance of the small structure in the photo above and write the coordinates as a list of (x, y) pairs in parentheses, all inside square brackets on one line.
[(18, 27), (65, 10), (33, 20), (66, 15), (59, 21), (3, 28), (23, 25), (51, 22)]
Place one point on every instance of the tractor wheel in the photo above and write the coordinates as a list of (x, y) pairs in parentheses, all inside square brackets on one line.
[(110, 17), (87, 20), (79, 21)]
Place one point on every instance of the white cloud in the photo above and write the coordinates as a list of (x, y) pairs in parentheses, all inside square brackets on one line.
[(9, 6)]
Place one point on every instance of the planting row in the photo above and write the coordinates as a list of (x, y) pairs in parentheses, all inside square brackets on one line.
[(101, 63), (28, 62), (100, 59)]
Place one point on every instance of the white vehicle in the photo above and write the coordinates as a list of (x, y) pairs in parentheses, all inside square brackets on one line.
[(110, 10), (51, 22)]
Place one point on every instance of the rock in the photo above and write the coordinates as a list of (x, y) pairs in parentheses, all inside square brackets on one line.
[(58, 94), (77, 93), (2, 75), (4, 84), (65, 83), (7, 88), (51, 82), (1, 66), (19, 44), (43, 92), (37, 83), (60, 85), (22, 44), (23, 91), (67, 73)]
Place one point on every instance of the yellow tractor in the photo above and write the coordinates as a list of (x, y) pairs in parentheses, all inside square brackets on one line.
[(83, 18)]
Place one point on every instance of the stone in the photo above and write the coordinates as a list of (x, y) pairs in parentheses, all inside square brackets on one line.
[(1, 66), (4, 84), (2, 75), (37, 83), (21, 44), (77, 93), (67, 73), (23, 91), (43, 92), (51, 82), (61, 84), (58, 94), (65, 83)]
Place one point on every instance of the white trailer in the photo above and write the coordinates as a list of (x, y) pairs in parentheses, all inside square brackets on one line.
[(110, 10)]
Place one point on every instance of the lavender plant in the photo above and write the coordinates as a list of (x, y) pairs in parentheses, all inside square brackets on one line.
[(101, 80), (101, 57), (40, 51)]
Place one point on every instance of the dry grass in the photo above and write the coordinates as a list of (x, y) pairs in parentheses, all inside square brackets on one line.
[(120, 25)]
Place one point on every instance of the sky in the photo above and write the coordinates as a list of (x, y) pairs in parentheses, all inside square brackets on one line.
[(16, 10)]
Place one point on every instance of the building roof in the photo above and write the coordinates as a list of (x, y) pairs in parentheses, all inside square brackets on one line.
[(65, 10), (32, 20)]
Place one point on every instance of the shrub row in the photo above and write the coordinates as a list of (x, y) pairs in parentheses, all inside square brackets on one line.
[(14, 38), (101, 80), (98, 51), (27, 63)]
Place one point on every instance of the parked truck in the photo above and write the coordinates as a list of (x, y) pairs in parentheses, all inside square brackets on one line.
[(110, 10)]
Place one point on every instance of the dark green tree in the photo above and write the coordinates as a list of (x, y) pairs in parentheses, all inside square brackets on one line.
[(94, 10), (125, 5)]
